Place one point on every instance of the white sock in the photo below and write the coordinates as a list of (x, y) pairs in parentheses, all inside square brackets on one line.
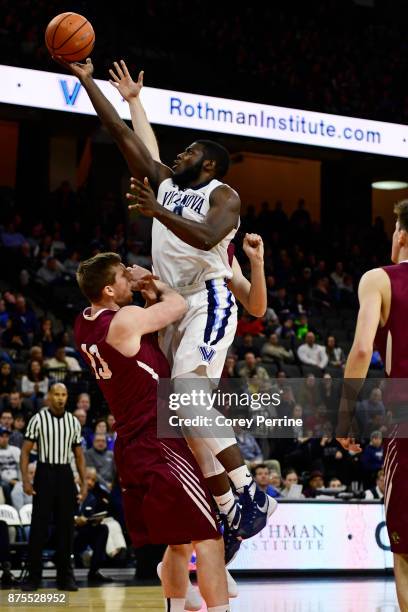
[(223, 608), (225, 502), (241, 478), (172, 604)]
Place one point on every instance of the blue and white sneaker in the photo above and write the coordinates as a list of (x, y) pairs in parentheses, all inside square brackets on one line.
[(230, 524), (255, 511)]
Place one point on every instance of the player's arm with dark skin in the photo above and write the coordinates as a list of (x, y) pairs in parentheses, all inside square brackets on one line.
[(220, 220), (136, 154)]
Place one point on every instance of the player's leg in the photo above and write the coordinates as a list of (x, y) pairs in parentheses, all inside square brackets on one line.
[(211, 576), (401, 580), (174, 576)]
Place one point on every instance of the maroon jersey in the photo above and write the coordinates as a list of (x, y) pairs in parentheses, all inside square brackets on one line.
[(231, 252), (129, 384), (392, 339)]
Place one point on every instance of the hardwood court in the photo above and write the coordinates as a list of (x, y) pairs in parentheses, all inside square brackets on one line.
[(266, 595)]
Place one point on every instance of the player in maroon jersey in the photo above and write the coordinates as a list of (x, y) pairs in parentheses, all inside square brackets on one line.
[(382, 320), (165, 497)]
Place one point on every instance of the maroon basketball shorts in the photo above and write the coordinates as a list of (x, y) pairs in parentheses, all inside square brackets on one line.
[(396, 488), (165, 497)]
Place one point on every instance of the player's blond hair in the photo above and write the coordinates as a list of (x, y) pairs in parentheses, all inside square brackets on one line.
[(401, 210), (97, 272)]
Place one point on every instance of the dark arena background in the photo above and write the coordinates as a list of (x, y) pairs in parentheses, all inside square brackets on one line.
[(311, 101)]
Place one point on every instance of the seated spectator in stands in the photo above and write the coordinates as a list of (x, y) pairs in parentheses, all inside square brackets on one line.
[(376, 492), (16, 438), (275, 480), (50, 272), (249, 325), (46, 339), (102, 460), (10, 238), (135, 256), (101, 427), (311, 353), (315, 482), (9, 464), (287, 330), (4, 315), (229, 370), (65, 339), (348, 297), (37, 354), (110, 421), (61, 361), (248, 445), (338, 275), (256, 377), (17, 404), (273, 351), (86, 432), (281, 304), (14, 336), (372, 457), (71, 264), (335, 354), (18, 497), (289, 478), (321, 296), (26, 317), (317, 421), (302, 327), (35, 384), (309, 396), (260, 474), (247, 346), (368, 411), (330, 455), (300, 306), (84, 402), (19, 425), (7, 380)]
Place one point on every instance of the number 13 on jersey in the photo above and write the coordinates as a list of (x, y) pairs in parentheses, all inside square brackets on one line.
[(99, 365)]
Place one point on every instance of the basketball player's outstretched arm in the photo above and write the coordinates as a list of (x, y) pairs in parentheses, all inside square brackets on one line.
[(135, 152), (252, 295), (222, 217), (372, 288), (130, 91)]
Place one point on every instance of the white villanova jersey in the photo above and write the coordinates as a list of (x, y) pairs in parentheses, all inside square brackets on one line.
[(175, 262)]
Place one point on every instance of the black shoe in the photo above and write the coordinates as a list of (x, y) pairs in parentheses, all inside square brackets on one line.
[(30, 584), (67, 584), (8, 580), (98, 577)]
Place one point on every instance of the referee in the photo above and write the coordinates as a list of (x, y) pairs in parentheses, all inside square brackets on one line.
[(56, 432)]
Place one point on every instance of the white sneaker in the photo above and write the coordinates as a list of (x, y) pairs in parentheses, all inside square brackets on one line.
[(232, 586), (273, 504), (194, 602)]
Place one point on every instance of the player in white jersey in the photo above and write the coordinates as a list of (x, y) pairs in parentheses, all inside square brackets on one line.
[(195, 217)]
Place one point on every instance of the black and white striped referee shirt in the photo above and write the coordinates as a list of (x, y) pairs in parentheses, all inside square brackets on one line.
[(55, 436)]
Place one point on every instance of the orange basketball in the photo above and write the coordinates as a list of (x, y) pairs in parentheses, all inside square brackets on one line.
[(71, 36)]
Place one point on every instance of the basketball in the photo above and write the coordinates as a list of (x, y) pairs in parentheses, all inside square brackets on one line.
[(70, 36)]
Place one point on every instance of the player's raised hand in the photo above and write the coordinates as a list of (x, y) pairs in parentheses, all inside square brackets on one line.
[(142, 198), (253, 247), (349, 444), (82, 71), (123, 82)]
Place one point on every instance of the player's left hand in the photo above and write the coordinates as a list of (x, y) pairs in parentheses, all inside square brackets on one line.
[(349, 444), (82, 71), (143, 198), (253, 247)]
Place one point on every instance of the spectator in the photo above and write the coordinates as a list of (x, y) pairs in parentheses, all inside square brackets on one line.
[(9, 464), (101, 459), (16, 438), (19, 426), (86, 432), (10, 238), (321, 295), (372, 457), (335, 353), (281, 303), (247, 347), (18, 497), (101, 427), (272, 350), (37, 354), (71, 264), (369, 410), (376, 492), (331, 455), (34, 384), (7, 380), (26, 317), (14, 336), (335, 483), (302, 326), (61, 361), (309, 395), (275, 480), (315, 482), (17, 404), (110, 421), (256, 377), (4, 315), (261, 476), (289, 478), (249, 446), (84, 403), (50, 272), (311, 353), (46, 339), (249, 325), (338, 275)]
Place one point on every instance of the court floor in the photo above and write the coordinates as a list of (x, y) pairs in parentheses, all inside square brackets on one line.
[(265, 595)]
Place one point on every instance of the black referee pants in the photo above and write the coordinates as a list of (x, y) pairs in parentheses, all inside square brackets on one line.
[(55, 501)]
